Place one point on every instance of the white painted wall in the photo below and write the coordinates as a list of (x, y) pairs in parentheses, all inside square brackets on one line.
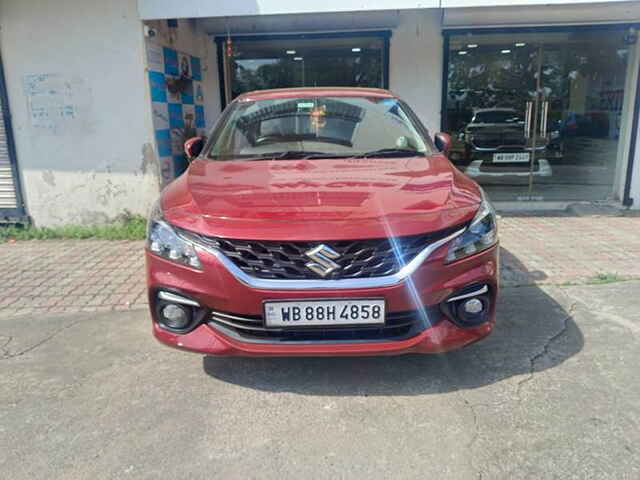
[(511, 3), (153, 9), (415, 68), (91, 168), (548, 13)]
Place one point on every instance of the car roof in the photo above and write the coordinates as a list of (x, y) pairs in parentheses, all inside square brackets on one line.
[(314, 92)]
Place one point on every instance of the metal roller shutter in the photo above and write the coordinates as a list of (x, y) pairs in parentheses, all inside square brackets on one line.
[(8, 197), (11, 205)]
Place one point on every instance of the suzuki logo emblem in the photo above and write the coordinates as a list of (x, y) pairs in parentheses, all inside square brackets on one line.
[(322, 257)]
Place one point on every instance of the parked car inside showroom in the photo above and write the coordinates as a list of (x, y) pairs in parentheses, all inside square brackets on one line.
[(496, 144), (321, 221)]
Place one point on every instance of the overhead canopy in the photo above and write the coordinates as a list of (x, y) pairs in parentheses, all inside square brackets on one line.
[(158, 9)]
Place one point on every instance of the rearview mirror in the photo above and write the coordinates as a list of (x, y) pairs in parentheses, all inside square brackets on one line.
[(443, 142), (193, 147)]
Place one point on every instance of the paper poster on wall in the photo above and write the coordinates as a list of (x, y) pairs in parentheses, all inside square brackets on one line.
[(155, 57), (56, 104)]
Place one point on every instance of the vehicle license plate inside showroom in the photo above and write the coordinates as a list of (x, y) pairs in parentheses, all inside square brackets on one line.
[(324, 312), (510, 157)]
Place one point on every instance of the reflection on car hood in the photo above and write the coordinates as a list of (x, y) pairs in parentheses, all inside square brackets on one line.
[(320, 199)]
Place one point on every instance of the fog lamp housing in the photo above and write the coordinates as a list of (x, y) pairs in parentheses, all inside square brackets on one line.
[(468, 307), (176, 312)]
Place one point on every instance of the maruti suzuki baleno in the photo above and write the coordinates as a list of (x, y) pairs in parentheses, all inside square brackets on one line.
[(321, 221)]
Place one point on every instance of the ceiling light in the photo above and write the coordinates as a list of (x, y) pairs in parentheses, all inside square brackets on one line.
[(462, 52), (291, 52), (505, 51), (356, 49), (520, 44), (472, 45), (297, 58)]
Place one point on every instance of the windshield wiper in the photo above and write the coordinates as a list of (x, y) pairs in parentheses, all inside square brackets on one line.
[(390, 152), (289, 154), (299, 154), (305, 154)]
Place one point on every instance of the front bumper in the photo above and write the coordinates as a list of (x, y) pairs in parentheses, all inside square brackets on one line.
[(431, 284)]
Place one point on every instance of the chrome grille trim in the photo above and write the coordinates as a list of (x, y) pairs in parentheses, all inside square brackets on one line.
[(172, 297), (475, 293), (229, 317), (305, 284)]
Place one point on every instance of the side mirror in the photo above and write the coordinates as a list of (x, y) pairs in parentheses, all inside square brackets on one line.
[(443, 142), (193, 147)]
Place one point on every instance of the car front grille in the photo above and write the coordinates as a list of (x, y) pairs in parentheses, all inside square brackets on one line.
[(498, 139), (357, 258), (398, 326)]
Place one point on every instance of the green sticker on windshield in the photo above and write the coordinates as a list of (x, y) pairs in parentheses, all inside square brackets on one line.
[(306, 105)]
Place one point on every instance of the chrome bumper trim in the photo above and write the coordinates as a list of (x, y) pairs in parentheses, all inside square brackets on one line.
[(475, 293), (346, 283), (172, 297), (502, 147)]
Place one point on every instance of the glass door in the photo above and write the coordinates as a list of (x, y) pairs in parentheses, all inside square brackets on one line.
[(536, 116)]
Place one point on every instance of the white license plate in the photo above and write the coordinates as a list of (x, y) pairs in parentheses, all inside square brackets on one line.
[(324, 312), (510, 157)]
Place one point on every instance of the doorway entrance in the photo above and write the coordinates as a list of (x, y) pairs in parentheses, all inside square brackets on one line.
[(537, 115)]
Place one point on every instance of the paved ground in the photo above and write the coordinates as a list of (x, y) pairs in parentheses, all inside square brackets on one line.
[(60, 276), (552, 393), (73, 276)]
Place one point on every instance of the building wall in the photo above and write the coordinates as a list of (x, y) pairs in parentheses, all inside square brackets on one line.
[(79, 101), (415, 68), (152, 9), (547, 13)]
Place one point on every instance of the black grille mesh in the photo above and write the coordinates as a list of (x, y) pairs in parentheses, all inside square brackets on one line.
[(498, 139), (358, 258)]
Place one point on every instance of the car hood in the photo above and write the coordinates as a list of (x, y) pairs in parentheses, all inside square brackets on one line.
[(324, 199)]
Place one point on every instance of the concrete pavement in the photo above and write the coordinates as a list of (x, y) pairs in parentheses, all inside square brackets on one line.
[(552, 393)]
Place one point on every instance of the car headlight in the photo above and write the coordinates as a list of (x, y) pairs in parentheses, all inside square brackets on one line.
[(481, 234), (554, 135), (165, 242)]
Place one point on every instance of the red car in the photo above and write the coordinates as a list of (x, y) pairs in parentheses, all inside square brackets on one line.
[(321, 221)]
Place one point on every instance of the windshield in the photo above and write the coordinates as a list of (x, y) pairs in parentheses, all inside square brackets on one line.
[(314, 127), (496, 116)]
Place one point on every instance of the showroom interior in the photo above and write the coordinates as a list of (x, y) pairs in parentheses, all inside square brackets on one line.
[(537, 113)]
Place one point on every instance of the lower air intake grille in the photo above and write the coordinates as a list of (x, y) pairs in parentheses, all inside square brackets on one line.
[(398, 326)]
